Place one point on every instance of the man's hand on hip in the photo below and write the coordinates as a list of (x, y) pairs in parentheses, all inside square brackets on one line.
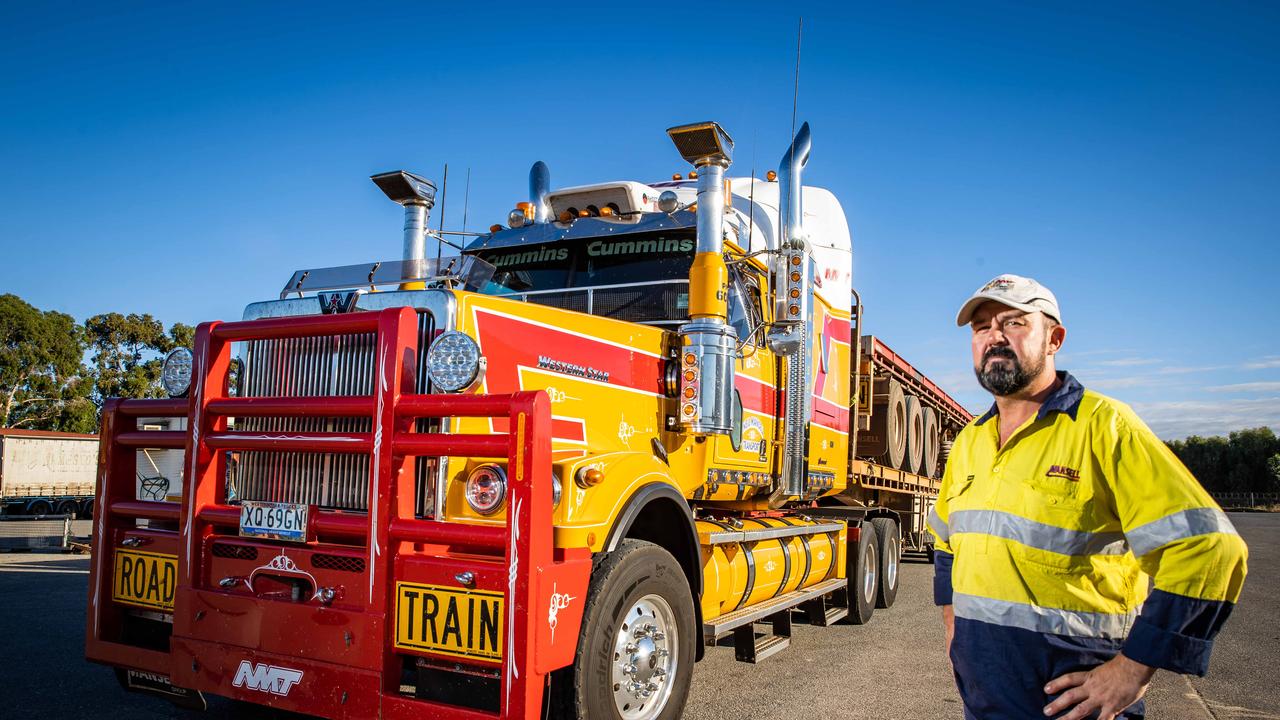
[(1106, 689)]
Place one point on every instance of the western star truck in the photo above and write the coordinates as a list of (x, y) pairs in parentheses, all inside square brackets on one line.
[(536, 477)]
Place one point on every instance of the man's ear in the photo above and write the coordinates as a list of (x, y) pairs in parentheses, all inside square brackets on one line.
[(1057, 335)]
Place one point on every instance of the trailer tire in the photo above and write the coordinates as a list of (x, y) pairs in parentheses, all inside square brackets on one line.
[(911, 460), (639, 580), (68, 507), (889, 546), (944, 454), (39, 507), (863, 569), (889, 420), (929, 467), (86, 509)]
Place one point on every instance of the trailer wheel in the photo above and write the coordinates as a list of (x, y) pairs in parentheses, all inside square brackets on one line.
[(635, 654), (863, 569), (40, 507), (889, 544), (67, 507), (86, 509)]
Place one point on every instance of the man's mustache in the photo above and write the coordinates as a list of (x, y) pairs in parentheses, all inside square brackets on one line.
[(1001, 352)]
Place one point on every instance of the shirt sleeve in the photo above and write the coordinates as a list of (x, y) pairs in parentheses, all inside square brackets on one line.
[(1180, 537), (942, 554)]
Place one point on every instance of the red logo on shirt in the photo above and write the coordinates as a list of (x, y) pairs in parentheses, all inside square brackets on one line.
[(1064, 472)]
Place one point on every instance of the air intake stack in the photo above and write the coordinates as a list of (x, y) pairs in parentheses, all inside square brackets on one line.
[(417, 195), (707, 340)]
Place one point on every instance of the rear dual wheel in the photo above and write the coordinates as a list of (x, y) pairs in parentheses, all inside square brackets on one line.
[(863, 567), (635, 654), (889, 544)]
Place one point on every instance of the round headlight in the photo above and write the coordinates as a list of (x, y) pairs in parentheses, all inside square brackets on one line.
[(176, 375), (668, 202), (454, 362), (486, 489)]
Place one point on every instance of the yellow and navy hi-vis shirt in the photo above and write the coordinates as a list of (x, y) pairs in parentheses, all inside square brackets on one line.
[(1047, 548)]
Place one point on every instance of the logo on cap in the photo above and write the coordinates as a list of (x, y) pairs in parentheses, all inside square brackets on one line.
[(1000, 283)]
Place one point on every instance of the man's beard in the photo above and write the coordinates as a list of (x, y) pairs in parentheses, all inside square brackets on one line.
[(1002, 379)]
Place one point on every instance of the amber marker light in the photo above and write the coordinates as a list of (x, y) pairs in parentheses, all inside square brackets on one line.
[(584, 213), (690, 358), (494, 228), (795, 276), (693, 175), (771, 176), (795, 259), (527, 208), (589, 477), (566, 216), (677, 176), (689, 393), (689, 375)]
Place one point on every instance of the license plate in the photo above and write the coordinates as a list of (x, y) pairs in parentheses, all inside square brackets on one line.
[(449, 621), (145, 579), (273, 520), (154, 684)]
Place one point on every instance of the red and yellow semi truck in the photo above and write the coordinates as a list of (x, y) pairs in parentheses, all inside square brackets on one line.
[(536, 478)]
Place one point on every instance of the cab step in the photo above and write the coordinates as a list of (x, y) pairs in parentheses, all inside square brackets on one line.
[(750, 647)]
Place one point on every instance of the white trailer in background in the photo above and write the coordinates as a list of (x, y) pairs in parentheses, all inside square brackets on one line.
[(47, 473)]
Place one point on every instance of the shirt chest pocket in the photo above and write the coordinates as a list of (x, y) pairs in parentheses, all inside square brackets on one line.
[(1060, 508)]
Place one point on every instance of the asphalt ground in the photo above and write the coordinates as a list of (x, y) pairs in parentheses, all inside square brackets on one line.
[(892, 668)]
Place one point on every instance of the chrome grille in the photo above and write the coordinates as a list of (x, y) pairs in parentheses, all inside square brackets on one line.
[(323, 366)]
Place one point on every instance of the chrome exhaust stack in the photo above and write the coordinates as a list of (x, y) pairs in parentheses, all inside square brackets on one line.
[(417, 195), (790, 334), (539, 189), (707, 342)]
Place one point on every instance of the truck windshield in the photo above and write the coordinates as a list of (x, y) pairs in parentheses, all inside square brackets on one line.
[(641, 277), (590, 262)]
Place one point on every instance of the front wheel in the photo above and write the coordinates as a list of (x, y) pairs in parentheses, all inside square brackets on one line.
[(635, 655)]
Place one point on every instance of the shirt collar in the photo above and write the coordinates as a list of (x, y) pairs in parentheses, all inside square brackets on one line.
[(1066, 399)]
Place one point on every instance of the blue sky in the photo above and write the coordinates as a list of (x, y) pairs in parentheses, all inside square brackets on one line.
[(183, 159)]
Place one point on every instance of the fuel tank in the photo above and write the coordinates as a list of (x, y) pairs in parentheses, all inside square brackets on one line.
[(750, 560)]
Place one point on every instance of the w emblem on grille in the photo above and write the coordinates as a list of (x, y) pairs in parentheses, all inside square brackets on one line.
[(333, 303)]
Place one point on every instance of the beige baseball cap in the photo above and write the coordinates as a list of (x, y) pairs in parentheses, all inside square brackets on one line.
[(1015, 291)]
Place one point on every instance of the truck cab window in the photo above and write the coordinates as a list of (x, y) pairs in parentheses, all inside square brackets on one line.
[(744, 306)]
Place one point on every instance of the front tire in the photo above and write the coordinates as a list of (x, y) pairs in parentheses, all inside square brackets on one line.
[(635, 654)]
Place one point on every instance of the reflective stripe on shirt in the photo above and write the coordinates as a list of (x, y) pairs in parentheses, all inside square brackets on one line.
[(939, 528), (1043, 619), (1178, 526), (1037, 534)]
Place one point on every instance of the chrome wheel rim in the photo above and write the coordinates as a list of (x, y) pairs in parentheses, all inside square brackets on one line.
[(644, 659), (869, 580)]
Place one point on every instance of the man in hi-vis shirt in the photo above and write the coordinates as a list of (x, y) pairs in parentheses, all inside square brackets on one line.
[(1075, 554)]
